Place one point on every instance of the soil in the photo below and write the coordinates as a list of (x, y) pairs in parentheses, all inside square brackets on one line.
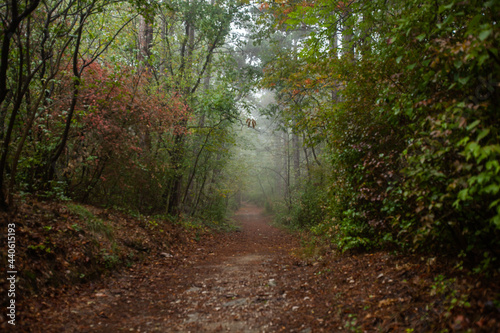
[(257, 279)]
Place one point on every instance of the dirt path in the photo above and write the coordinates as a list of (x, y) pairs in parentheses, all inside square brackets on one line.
[(248, 281), (232, 285)]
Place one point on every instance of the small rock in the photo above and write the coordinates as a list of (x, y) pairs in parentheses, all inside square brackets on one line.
[(193, 290), (166, 255), (236, 302), (193, 317)]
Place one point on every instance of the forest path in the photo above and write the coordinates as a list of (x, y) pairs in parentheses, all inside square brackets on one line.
[(253, 280), (235, 284)]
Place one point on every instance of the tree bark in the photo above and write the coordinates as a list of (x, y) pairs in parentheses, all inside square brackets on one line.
[(77, 73), (296, 158), (8, 33)]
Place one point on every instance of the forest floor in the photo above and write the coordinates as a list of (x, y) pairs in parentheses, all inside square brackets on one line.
[(260, 279)]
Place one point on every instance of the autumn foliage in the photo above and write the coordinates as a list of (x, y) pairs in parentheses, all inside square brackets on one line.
[(119, 124), (123, 119), (96, 106)]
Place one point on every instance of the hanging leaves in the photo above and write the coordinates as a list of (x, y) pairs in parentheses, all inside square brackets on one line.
[(251, 122)]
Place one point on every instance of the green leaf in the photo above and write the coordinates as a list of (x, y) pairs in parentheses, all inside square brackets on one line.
[(474, 148), (464, 141), (474, 124), (442, 8), (480, 179), (491, 189), (292, 21), (496, 221), (493, 166), (490, 3), (483, 58), (464, 80), (494, 203), (485, 34), (463, 194), (420, 37), (310, 20), (483, 134)]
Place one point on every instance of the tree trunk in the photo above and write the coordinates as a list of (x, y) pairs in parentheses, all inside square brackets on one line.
[(77, 73), (296, 158), (175, 189), (7, 33), (145, 40)]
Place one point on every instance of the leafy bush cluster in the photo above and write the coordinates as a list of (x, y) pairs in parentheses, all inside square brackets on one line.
[(412, 133), (126, 104), (118, 128)]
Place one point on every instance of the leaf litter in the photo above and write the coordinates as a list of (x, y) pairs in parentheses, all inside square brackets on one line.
[(256, 279)]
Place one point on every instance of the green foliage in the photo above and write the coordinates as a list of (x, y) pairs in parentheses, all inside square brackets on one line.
[(94, 224), (311, 206), (451, 180), (446, 287), (40, 247), (110, 259), (351, 324), (55, 190), (133, 111), (308, 208), (412, 130)]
